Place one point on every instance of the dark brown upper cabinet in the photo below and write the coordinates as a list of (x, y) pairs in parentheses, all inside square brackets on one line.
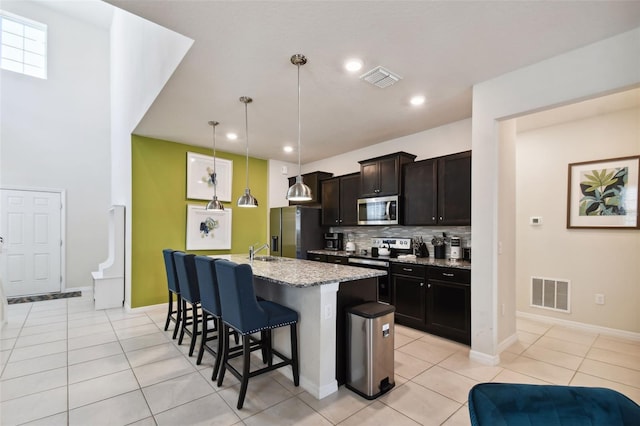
[(339, 200), (438, 191), (312, 180), (420, 194), (382, 176)]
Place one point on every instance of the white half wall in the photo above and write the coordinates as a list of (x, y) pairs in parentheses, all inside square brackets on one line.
[(606, 66), (143, 58), (55, 132)]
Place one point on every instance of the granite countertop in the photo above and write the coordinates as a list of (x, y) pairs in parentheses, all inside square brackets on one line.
[(429, 261), (302, 273)]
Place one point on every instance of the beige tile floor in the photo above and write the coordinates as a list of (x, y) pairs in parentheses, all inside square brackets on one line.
[(62, 362)]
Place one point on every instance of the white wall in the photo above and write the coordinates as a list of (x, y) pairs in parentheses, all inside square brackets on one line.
[(55, 132), (602, 67), (443, 140), (278, 182), (143, 57), (595, 260)]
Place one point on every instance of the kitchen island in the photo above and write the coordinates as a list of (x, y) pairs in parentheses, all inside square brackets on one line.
[(318, 292)]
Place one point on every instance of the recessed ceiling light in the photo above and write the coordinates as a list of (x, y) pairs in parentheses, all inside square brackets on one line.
[(288, 149), (417, 100), (353, 65), (232, 136)]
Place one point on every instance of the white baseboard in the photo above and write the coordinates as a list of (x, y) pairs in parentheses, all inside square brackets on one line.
[(483, 358), (507, 342), (129, 309), (322, 391), (581, 326), (82, 289)]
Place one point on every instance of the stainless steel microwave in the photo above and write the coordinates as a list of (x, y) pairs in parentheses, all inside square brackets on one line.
[(378, 211)]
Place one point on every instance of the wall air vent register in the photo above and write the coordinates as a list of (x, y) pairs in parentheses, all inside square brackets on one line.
[(551, 293)]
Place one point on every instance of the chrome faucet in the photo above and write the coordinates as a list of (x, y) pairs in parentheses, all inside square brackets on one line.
[(253, 250)]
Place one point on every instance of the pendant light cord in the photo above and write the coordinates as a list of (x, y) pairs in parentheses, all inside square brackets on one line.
[(299, 131), (215, 175), (246, 132)]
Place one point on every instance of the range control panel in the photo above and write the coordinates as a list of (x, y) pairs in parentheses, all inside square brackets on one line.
[(394, 243)]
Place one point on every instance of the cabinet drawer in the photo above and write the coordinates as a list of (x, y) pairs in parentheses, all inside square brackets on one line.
[(317, 257), (342, 260), (462, 276), (408, 269)]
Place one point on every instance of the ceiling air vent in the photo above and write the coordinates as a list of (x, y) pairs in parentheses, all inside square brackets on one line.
[(380, 77)]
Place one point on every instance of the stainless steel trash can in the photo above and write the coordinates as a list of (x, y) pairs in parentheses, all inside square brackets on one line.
[(370, 335)]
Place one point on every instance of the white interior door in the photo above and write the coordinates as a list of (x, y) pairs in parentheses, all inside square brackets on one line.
[(31, 254)]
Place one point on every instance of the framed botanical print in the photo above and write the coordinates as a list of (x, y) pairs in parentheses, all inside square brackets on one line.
[(208, 229), (201, 179), (604, 194)]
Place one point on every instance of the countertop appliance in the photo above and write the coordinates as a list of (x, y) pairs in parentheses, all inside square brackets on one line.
[(294, 231), (397, 246), (378, 211), (350, 247), (456, 249), (333, 241)]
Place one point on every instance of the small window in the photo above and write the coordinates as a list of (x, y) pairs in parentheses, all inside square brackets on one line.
[(23, 45)]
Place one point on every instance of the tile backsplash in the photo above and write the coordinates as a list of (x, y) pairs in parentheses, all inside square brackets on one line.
[(362, 235)]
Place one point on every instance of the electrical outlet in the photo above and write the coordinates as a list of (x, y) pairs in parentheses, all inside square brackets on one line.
[(599, 299), (327, 311), (284, 170)]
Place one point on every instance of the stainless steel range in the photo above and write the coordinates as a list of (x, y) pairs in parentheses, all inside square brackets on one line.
[(396, 247)]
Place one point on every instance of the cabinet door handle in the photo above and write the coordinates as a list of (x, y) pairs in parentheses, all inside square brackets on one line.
[(433, 218), (429, 285), (447, 275), (440, 217), (421, 284), (407, 269)]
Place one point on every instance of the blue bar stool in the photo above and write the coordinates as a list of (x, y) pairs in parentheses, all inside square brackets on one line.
[(188, 282), (210, 304), (174, 289), (241, 311)]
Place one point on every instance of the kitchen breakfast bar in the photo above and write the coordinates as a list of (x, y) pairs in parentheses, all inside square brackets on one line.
[(319, 292)]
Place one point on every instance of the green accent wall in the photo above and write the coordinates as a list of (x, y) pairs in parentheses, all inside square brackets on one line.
[(159, 210)]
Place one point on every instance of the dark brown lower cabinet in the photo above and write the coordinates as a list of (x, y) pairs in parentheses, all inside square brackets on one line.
[(433, 299), (409, 294), (449, 303)]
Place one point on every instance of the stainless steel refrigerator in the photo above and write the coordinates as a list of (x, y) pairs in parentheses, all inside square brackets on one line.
[(294, 230)]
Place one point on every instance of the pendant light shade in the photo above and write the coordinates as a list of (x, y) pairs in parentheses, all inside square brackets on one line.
[(247, 200), (214, 204), (299, 191)]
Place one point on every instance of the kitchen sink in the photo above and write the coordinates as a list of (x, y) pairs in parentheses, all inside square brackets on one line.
[(269, 258)]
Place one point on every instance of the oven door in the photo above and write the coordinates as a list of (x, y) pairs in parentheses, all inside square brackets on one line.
[(384, 287)]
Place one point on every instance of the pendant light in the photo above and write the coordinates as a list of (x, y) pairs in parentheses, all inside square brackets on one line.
[(247, 200), (214, 204), (299, 191)]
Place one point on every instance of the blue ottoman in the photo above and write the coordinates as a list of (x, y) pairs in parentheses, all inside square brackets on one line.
[(506, 404)]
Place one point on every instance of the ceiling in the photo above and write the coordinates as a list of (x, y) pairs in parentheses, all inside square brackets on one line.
[(439, 48)]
